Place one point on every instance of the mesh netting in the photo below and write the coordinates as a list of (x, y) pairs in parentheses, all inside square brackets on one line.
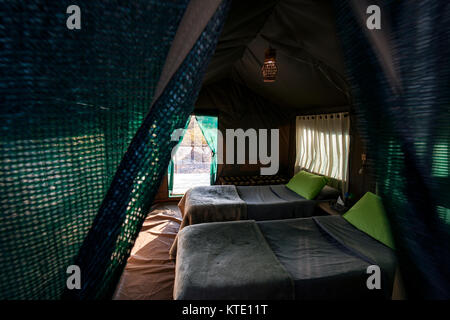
[(405, 122), (71, 103)]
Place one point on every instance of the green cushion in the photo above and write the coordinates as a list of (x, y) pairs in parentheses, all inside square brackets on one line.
[(368, 215), (306, 184)]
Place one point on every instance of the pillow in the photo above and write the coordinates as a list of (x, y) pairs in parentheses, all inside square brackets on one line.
[(328, 193), (368, 215), (306, 184)]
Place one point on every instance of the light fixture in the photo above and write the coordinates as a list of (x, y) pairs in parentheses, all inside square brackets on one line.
[(269, 69)]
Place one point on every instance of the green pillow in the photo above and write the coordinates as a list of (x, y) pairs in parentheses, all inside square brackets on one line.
[(306, 184), (368, 215)]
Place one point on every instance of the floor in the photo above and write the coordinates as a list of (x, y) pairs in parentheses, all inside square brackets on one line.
[(150, 273)]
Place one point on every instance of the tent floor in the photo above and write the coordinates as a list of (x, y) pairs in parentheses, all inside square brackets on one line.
[(150, 273)]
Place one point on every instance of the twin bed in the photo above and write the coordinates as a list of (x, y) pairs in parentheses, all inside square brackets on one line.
[(264, 242), (221, 203), (305, 259)]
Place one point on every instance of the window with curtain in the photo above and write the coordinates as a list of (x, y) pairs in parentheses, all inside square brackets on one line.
[(323, 143), (194, 162)]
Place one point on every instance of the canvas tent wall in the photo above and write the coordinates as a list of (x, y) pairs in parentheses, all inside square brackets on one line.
[(87, 115), (310, 77)]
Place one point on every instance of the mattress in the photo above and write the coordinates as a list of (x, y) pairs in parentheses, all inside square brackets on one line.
[(272, 202)]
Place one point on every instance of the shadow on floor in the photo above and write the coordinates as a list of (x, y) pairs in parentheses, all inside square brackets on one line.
[(150, 272)]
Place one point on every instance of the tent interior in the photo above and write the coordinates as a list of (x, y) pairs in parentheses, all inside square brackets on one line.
[(310, 81), (361, 168)]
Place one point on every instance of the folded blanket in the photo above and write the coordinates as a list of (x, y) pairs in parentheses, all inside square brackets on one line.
[(212, 265), (210, 204)]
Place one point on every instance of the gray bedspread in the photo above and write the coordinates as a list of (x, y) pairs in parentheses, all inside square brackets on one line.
[(274, 202), (210, 204), (327, 257), (228, 261), (307, 258)]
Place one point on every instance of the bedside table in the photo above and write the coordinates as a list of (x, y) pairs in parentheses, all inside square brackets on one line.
[(324, 207)]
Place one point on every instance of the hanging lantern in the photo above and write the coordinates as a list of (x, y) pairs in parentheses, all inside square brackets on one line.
[(269, 69)]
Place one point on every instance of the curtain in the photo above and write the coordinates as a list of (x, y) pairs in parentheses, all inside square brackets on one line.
[(170, 169), (399, 78), (208, 126), (323, 143), (145, 163), (71, 103), (85, 135)]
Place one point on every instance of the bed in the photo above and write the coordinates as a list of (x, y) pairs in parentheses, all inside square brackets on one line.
[(321, 257), (228, 202), (220, 203), (296, 199)]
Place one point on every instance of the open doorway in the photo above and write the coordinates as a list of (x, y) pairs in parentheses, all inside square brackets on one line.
[(194, 161)]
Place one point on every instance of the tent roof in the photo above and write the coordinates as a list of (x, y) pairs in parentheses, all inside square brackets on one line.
[(308, 52)]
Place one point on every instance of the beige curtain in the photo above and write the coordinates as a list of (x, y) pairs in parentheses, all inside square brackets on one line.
[(323, 143)]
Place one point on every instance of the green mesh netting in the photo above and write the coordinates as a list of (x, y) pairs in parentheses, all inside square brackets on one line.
[(71, 102), (405, 121), (208, 125)]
